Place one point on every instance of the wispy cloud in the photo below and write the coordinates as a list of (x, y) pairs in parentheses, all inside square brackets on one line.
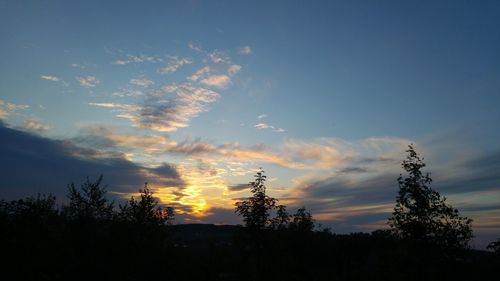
[(245, 50), (33, 124), (137, 59), (127, 93), (262, 116), (7, 108), (233, 69), (219, 57), (76, 65), (50, 78), (263, 126), (88, 82), (219, 81), (143, 82), (174, 64), (167, 115), (200, 73), (195, 48)]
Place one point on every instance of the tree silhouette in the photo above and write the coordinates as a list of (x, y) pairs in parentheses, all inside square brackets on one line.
[(88, 203), (255, 210), (421, 213), (40, 209), (282, 219), (302, 221), (146, 210)]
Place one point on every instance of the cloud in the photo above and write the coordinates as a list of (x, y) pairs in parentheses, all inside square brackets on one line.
[(263, 126), (238, 187), (195, 48), (76, 65), (200, 73), (233, 69), (119, 106), (219, 81), (50, 78), (34, 125), (167, 115), (245, 50), (88, 82), (137, 59), (128, 93), (218, 57), (141, 82), (262, 116), (7, 108), (174, 64), (52, 164)]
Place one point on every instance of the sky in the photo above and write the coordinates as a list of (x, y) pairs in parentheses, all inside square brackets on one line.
[(194, 97)]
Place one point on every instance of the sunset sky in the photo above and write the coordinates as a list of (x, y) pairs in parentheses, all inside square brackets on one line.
[(194, 96)]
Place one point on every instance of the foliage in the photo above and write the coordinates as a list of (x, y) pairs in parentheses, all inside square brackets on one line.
[(39, 209), (88, 203), (421, 214), (302, 221), (256, 209), (282, 219), (146, 210)]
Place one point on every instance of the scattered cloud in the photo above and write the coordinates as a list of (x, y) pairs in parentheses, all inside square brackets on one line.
[(200, 73), (137, 59), (219, 57), (245, 50), (143, 82), (233, 69), (33, 124), (88, 82), (195, 48), (174, 64), (167, 115), (127, 93), (76, 65), (262, 126), (262, 116), (50, 78), (7, 108), (219, 81)]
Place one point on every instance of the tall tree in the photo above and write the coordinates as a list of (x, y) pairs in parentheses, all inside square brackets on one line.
[(255, 210), (146, 210), (89, 202), (421, 213)]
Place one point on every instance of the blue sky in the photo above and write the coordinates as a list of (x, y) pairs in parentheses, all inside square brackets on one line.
[(324, 95)]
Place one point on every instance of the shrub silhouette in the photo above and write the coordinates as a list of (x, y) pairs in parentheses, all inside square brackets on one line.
[(494, 246), (145, 210)]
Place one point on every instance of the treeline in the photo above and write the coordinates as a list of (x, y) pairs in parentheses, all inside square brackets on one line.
[(91, 238)]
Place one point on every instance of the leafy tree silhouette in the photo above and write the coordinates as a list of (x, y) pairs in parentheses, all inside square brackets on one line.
[(302, 221), (88, 203), (282, 219), (421, 214), (40, 209), (255, 210), (146, 210)]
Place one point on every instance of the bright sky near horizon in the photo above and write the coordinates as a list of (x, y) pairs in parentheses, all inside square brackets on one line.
[(194, 96)]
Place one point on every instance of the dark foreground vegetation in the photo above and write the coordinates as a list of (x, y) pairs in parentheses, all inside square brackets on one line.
[(92, 239)]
